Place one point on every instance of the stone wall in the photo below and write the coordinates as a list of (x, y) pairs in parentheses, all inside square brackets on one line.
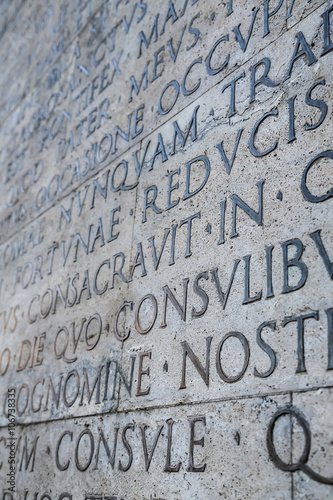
[(166, 315)]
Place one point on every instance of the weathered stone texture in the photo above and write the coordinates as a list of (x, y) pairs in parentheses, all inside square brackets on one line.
[(166, 314)]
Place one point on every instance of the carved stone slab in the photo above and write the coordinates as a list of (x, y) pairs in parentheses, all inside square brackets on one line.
[(166, 314)]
